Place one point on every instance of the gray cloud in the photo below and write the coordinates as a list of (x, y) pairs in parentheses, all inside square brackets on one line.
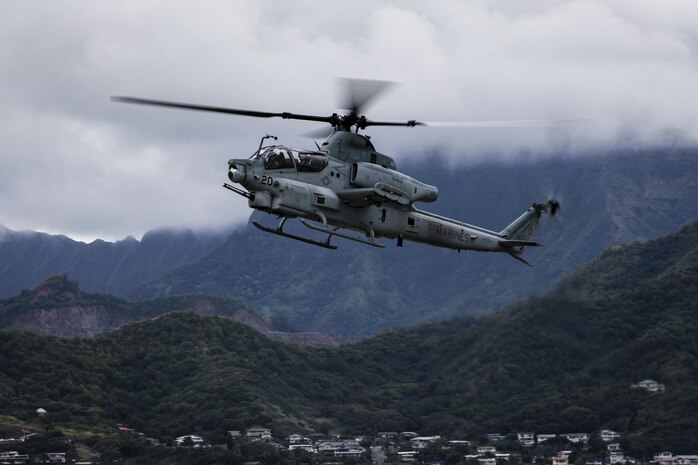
[(74, 163)]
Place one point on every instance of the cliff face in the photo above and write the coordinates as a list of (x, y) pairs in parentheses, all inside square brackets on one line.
[(58, 307)]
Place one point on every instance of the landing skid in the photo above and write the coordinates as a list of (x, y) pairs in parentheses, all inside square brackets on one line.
[(335, 231), (280, 232)]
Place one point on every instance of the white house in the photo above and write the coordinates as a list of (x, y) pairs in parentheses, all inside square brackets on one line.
[(341, 448), (13, 457), (686, 460), (407, 456), (487, 461), (608, 435), (191, 439), (576, 438), (298, 439), (56, 457), (300, 446), (526, 438), (613, 447), (648, 385), (459, 442), (545, 437), (486, 449), (420, 442), (561, 460), (259, 433), (667, 458)]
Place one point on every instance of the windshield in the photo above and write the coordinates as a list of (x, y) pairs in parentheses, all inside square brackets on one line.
[(310, 162), (277, 158)]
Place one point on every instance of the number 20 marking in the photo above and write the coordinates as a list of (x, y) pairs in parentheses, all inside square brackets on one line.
[(268, 180)]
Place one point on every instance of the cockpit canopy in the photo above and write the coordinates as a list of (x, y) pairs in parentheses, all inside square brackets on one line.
[(279, 158)]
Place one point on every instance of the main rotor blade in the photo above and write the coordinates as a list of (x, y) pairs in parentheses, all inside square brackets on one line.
[(531, 123), (230, 111), (409, 124), (358, 92)]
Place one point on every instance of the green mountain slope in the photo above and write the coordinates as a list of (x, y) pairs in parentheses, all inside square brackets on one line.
[(559, 363)]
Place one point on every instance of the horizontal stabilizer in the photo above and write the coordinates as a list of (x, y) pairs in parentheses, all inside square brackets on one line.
[(515, 243)]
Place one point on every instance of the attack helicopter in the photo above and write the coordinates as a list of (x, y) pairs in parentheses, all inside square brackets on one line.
[(345, 185)]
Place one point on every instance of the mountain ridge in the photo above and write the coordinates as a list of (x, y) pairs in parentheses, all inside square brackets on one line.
[(58, 307), (29, 257)]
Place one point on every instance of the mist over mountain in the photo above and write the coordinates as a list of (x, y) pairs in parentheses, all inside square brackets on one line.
[(27, 258), (357, 291), (558, 363)]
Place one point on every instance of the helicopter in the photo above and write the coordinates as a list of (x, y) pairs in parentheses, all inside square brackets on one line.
[(345, 186)]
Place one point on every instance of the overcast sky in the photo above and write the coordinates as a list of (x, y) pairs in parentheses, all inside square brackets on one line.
[(72, 162)]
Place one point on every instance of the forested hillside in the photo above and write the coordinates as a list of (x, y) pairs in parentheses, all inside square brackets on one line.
[(563, 362)]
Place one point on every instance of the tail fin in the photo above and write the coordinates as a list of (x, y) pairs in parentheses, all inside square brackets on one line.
[(521, 232), (525, 227)]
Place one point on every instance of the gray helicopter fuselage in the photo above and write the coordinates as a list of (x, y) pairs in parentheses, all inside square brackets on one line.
[(347, 184)]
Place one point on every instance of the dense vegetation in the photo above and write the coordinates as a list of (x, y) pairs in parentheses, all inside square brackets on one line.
[(559, 363)]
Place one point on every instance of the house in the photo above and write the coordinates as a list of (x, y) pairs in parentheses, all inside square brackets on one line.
[(409, 434), (420, 442), (526, 439), (494, 437), (263, 434), (667, 458), (616, 457), (459, 442), (297, 439), (576, 438), (487, 461), (486, 449), (347, 448), (593, 462), (686, 460), (608, 435), (301, 446), (13, 458), (614, 447), (407, 456), (234, 435), (545, 437), (388, 434), (561, 460), (190, 440), (664, 456), (649, 385), (56, 457)]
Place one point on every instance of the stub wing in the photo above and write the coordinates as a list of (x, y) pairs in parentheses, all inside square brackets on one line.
[(365, 196)]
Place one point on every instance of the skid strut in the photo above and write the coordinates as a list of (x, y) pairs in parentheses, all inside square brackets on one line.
[(279, 230)]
